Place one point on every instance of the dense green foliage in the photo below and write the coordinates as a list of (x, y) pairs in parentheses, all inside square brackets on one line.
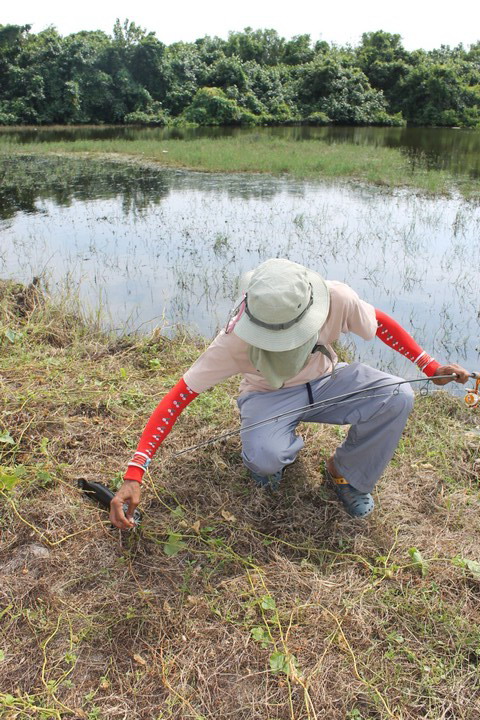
[(253, 77)]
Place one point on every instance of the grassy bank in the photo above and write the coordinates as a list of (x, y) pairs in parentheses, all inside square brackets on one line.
[(311, 159), (228, 601)]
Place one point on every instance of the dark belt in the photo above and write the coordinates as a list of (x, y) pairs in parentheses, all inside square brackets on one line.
[(327, 353)]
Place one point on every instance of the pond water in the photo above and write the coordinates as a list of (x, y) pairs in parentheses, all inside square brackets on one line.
[(164, 247)]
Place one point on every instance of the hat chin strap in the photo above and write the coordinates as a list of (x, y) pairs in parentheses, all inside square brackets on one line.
[(235, 315)]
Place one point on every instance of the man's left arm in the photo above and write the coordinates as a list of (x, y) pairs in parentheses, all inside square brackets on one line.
[(396, 337)]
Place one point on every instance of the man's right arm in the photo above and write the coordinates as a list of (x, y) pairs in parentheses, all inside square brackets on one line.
[(214, 365), (156, 430)]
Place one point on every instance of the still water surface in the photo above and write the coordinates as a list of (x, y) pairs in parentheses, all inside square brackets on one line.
[(167, 247)]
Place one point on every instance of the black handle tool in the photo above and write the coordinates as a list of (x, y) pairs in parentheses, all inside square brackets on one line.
[(103, 495)]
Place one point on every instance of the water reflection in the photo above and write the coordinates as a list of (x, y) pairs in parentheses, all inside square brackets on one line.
[(157, 246), (28, 180)]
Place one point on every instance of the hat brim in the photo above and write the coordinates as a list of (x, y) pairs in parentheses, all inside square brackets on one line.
[(298, 334)]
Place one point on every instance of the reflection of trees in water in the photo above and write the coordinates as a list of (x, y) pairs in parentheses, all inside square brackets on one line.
[(26, 180)]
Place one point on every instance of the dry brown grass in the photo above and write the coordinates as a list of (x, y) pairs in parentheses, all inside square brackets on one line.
[(95, 623)]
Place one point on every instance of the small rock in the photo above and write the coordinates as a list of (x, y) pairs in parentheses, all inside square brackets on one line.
[(38, 551), (26, 555)]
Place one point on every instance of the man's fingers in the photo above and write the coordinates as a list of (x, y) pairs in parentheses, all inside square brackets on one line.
[(461, 375), (127, 498), (117, 516), (132, 506)]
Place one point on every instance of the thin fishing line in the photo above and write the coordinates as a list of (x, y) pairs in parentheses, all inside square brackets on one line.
[(261, 423), (336, 400)]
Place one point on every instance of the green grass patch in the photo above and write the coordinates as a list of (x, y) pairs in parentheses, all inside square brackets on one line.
[(306, 159)]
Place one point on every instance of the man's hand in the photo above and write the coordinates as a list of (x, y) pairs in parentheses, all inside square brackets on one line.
[(128, 494), (460, 372)]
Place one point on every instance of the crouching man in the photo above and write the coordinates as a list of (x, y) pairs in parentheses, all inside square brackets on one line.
[(280, 338)]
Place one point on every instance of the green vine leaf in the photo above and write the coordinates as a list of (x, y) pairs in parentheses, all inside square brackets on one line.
[(418, 561), (284, 663), (174, 545), (472, 565), (8, 481), (11, 335), (268, 603), (278, 662), (260, 635)]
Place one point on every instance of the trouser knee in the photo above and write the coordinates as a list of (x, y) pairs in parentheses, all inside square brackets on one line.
[(267, 460), (262, 462), (403, 400)]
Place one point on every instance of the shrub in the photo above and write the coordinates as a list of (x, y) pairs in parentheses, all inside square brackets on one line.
[(317, 118), (211, 106), (7, 118), (139, 117), (383, 118), (282, 113)]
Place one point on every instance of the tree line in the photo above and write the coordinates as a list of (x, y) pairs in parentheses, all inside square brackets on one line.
[(254, 77)]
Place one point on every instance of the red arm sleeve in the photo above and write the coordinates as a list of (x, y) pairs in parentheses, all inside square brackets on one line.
[(394, 335), (157, 428)]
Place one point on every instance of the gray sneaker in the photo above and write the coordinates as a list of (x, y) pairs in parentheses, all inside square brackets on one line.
[(357, 504)]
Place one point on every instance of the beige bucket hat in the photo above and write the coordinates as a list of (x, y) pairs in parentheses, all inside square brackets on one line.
[(285, 305)]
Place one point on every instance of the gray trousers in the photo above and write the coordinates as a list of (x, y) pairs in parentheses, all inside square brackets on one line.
[(376, 420)]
